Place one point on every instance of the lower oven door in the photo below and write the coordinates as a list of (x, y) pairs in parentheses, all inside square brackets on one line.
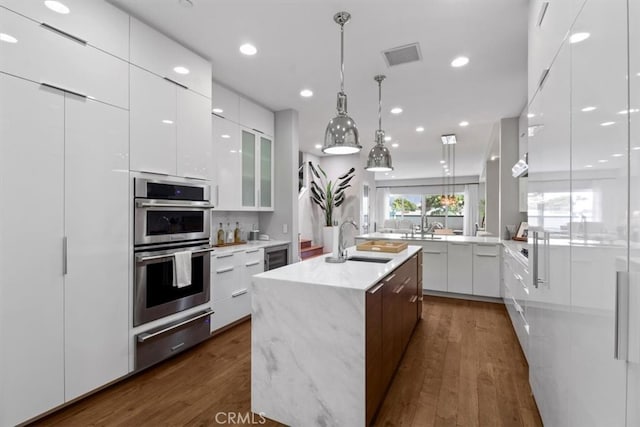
[(155, 295), (168, 221)]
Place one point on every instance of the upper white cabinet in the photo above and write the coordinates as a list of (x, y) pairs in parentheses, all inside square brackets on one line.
[(166, 58), (255, 117), (95, 22), (227, 149), (48, 57), (170, 128), (225, 103)]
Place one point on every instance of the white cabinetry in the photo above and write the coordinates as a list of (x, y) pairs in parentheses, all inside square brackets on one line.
[(523, 195), (460, 268), (231, 285), (69, 268), (486, 270), (170, 128), (45, 56), (255, 117), (225, 103), (434, 266), (162, 56)]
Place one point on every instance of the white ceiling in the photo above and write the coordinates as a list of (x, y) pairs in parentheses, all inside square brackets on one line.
[(298, 47)]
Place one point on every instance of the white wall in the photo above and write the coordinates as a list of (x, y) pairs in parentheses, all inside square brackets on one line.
[(508, 185), (310, 218)]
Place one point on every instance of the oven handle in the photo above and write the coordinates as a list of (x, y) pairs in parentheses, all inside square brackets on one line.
[(149, 258), (174, 205), (146, 336)]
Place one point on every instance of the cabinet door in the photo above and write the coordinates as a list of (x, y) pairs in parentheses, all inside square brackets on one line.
[(97, 22), (153, 123), (31, 243), (227, 158), (523, 202), (434, 267), (460, 268), (44, 56), (225, 103), (266, 173), (255, 117), (193, 135), (96, 309), (248, 169), (486, 270), (391, 324), (160, 55), (374, 382), (226, 274)]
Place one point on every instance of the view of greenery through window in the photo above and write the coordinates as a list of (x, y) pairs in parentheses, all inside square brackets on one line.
[(411, 205)]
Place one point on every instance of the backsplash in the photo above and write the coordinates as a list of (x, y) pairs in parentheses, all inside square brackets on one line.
[(246, 220)]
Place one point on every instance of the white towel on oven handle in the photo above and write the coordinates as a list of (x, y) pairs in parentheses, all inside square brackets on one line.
[(182, 269)]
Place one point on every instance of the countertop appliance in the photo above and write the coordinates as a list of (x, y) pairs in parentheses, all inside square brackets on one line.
[(276, 257)]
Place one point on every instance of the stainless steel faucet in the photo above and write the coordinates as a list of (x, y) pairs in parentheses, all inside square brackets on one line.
[(342, 252)]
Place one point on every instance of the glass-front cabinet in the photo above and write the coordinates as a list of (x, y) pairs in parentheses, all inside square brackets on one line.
[(257, 170)]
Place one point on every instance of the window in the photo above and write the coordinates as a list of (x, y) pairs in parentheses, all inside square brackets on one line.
[(414, 207)]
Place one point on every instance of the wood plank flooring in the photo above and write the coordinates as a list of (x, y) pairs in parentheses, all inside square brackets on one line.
[(463, 367)]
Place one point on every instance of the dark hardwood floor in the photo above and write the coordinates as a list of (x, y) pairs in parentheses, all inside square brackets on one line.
[(463, 367)]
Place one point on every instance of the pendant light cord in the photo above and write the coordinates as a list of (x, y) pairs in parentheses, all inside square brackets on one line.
[(380, 105), (341, 58)]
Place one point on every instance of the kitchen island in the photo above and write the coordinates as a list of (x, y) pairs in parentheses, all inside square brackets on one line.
[(326, 338)]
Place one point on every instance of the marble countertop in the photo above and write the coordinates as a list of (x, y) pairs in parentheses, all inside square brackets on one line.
[(356, 275), (249, 245), (438, 238)]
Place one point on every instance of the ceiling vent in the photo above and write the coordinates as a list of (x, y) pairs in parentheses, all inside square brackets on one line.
[(402, 55)]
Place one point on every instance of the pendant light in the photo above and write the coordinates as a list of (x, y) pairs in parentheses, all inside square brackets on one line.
[(379, 157), (448, 162), (341, 136)]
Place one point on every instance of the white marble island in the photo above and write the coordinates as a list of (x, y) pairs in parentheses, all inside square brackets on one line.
[(326, 338)]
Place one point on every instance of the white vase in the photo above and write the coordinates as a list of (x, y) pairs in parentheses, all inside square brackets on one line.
[(327, 239)]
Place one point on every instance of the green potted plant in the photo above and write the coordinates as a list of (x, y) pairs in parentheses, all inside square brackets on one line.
[(328, 195)]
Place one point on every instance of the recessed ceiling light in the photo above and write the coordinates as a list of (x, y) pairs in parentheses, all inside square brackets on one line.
[(395, 145), (494, 158), (181, 70), (578, 37), (248, 49), (225, 136), (587, 109), (57, 7), (232, 151), (460, 61), (448, 139), (464, 124), (531, 115), (396, 110), (636, 148), (387, 138), (306, 93), (607, 123), (617, 155), (218, 110), (318, 146), (442, 162), (588, 166), (7, 38), (629, 111), (602, 161), (448, 174), (167, 122), (420, 129)]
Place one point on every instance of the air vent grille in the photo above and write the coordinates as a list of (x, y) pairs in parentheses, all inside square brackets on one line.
[(402, 55)]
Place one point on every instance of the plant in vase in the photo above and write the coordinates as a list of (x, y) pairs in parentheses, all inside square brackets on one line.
[(328, 195)]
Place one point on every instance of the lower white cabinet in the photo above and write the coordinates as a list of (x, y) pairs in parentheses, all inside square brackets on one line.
[(460, 268), (486, 270), (231, 285), (64, 244), (434, 266)]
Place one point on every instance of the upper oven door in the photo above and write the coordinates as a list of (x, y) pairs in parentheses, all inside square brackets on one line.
[(168, 221)]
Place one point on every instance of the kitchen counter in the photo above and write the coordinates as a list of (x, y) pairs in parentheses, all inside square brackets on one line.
[(308, 347), (253, 244)]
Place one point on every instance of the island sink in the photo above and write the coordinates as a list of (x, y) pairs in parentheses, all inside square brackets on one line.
[(369, 259)]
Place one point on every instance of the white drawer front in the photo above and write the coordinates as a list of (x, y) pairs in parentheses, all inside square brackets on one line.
[(253, 257), (229, 310)]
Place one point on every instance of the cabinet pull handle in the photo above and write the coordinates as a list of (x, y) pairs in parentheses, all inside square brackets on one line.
[(543, 12), (176, 83), (388, 279), (147, 336), (63, 33), (258, 130), (621, 332), (217, 115), (238, 293), (224, 270), (225, 255), (399, 289), (376, 289), (406, 280), (253, 251), (176, 347), (154, 257), (251, 264), (64, 256), (543, 77), (72, 92), (432, 252), (155, 173), (459, 244), (413, 299), (487, 255)]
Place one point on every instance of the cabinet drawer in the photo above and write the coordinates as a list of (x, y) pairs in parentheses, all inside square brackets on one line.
[(159, 54), (225, 259), (44, 56), (97, 22), (434, 248), (230, 310), (486, 250), (253, 257)]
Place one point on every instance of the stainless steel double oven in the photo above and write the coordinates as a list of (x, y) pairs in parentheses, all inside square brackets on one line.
[(170, 217)]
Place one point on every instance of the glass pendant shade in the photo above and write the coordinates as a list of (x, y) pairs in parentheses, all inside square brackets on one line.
[(379, 159), (341, 135)]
